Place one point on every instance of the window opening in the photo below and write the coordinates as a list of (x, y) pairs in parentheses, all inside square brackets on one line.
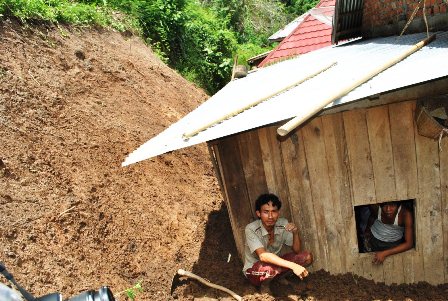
[(365, 216)]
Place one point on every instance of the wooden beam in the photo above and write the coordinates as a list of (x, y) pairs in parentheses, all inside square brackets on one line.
[(238, 205), (381, 151), (273, 167), (252, 163), (298, 180), (361, 169), (443, 154), (403, 142), (429, 208), (328, 217)]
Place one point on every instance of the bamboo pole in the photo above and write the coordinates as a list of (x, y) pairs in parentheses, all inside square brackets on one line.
[(188, 135), (208, 283), (303, 116)]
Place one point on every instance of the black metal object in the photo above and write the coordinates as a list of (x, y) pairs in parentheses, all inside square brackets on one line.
[(10, 278), (347, 20)]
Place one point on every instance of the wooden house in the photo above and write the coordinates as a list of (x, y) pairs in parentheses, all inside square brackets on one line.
[(365, 146), (340, 160)]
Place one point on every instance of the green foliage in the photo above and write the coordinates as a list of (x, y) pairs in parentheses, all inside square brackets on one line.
[(28, 9), (252, 20), (80, 14), (248, 50), (63, 11), (206, 55), (232, 12), (299, 7), (163, 24), (131, 292), (188, 37)]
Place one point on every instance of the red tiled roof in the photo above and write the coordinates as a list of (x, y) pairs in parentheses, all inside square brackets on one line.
[(310, 35), (326, 3)]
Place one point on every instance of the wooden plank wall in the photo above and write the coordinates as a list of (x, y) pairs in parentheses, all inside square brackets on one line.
[(444, 184), (336, 162), (235, 187)]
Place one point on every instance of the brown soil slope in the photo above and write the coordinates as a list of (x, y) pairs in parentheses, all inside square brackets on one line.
[(73, 103)]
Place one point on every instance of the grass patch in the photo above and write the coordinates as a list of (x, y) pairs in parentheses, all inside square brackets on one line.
[(68, 12)]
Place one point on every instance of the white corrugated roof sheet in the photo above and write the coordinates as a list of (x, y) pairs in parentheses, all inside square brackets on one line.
[(285, 31), (353, 59)]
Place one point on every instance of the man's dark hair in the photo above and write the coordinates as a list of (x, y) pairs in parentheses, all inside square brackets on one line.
[(266, 198), (396, 203)]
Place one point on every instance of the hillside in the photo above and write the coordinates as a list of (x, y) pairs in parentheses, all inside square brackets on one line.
[(73, 103)]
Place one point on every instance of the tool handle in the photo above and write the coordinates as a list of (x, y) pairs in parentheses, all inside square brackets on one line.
[(208, 283)]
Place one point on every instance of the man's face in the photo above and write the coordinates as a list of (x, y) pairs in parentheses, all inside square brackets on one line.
[(389, 209), (268, 215)]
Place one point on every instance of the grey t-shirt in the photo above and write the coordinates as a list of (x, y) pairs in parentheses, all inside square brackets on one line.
[(257, 237)]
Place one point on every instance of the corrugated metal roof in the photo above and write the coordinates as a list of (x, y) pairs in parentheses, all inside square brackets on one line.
[(258, 57), (290, 27), (353, 60), (286, 31)]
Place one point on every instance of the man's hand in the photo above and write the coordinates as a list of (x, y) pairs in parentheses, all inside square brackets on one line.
[(300, 271), (291, 228), (379, 257)]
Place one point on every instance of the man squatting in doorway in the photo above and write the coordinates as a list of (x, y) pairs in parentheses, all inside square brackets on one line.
[(265, 239)]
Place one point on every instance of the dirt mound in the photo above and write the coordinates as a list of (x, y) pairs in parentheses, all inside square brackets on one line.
[(73, 104)]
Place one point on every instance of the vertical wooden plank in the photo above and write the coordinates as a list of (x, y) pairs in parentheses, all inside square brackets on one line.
[(384, 177), (381, 152), (361, 169), (362, 182), (401, 116), (252, 163), (298, 181), (235, 184), (339, 176), (394, 269), (219, 169), (403, 145), (373, 272), (444, 184), (325, 212), (429, 207), (272, 164), (395, 263), (214, 153), (415, 262), (389, 273)]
